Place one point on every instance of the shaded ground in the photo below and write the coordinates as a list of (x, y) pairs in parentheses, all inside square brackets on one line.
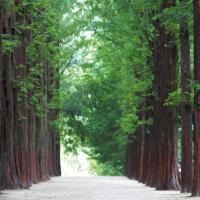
[(91, 188)]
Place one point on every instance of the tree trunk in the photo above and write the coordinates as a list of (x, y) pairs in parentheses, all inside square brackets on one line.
[(142, 142), (9, 177), (26, 140), (165, 74), (196, 179), (22, 161), (1, 90), (186, 110), (129, 157)]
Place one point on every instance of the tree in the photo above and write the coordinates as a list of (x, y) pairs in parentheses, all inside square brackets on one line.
[(196, 179), (186, 110), (29, 146), (165, 76)]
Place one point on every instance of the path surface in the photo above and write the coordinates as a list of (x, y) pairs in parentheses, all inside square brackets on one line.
[(90, 188)]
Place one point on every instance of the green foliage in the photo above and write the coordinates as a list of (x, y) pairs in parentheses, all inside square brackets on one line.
[(173, 16), (43, 31), (9, 43), (174, 98), (103, 169), (100, 52), (105, 80)]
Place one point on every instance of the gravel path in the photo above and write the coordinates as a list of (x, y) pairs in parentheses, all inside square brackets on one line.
[(91, 188)]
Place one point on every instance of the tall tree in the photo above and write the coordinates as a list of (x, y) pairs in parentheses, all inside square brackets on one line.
[(196, 179), (1, 89), (9, 177), (165, 75), (186, 109), (29, 146)]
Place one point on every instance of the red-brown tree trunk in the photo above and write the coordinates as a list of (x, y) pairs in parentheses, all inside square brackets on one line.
[(148, 146), (186, 110), (130, 157), (1, 89), (196, 179), (165, 74), (141, 143), (22, 161), (29, 148), (9, 177)]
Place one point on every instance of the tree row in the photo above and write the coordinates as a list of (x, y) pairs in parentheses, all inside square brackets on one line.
[(29, 145)]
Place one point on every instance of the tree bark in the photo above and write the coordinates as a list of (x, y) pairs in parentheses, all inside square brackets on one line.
[(29, 148), (186, 110), (165, 74), (1, 89), (9, 177), (196, 179)]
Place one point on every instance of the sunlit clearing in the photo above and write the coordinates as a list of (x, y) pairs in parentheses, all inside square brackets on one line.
[(75, 165)]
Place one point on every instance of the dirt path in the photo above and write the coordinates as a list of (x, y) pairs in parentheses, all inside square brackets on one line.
[(90, 188)]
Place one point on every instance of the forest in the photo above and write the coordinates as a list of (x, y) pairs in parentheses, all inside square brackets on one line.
[(119, 79)]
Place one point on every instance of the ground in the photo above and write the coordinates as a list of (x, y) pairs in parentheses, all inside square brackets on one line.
[(91, 188)]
